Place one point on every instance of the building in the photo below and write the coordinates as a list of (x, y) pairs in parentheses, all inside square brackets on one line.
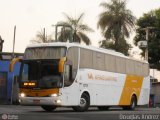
[(8, 87), (155, 93)]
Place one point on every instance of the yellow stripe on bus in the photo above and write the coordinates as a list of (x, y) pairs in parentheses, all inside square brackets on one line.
[(39, 93), (132, 86)]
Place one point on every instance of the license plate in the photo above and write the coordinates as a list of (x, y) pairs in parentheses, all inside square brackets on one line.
[(36, 101)]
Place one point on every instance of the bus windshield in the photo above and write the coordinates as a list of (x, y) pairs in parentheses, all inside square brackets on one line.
[(44, 53), (42, 72), (40, 65)]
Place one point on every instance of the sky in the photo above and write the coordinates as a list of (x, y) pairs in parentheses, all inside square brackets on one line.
[(30, 16)]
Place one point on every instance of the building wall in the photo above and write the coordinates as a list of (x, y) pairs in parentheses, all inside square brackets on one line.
[(4, 67), (155, 89), (155, 73)]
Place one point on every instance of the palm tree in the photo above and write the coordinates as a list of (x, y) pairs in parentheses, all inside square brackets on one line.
[(79, 29), (116, 21), (123, 46), (41, 37)]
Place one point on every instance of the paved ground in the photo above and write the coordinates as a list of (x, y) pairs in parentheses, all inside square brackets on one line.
[(36, 113)]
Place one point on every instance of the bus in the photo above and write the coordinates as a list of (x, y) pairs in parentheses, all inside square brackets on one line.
[(72, 75)]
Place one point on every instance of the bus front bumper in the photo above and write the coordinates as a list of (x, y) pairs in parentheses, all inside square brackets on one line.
[(40, 101)]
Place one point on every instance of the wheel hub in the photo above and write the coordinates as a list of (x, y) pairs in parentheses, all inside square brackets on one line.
[(82, 102)]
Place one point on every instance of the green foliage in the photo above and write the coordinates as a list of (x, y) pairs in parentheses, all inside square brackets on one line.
[(151, 19), (116, 22), (79, 28), (123, 46), (41, 37)]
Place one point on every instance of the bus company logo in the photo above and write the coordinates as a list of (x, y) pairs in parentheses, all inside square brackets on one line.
[(101, 77)]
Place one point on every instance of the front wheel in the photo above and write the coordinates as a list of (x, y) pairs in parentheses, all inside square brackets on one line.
[(48, 108), (84, 103)]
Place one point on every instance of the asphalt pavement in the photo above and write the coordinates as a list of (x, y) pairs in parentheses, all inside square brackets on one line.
[(17, 112)]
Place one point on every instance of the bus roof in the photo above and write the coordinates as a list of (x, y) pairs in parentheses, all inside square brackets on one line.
[(68, 45)]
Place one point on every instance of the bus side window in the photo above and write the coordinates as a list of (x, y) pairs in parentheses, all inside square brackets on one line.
[(72, 60), (68, 75), (25, 72)]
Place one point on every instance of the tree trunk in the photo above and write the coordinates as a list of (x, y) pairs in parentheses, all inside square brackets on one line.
[(116, 44)]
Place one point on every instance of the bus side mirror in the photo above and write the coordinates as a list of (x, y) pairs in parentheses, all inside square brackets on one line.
[(13, 62), (61, 64)]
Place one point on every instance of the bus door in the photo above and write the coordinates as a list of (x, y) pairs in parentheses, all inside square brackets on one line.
[(70, 87)]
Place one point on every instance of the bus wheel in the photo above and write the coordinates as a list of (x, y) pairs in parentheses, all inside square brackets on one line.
[(132, 104), (48, 108), (103, 108), (84, 103)]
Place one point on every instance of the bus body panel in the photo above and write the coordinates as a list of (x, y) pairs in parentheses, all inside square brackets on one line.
[(145, 92), (106, 88)]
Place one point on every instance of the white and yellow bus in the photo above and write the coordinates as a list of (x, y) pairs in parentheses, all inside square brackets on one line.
[(68, 74)]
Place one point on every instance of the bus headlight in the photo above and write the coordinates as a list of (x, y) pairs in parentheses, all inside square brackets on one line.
[(58, 101), (54, 95), (22, 94)]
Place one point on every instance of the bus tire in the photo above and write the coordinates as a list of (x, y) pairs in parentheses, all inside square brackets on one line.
[(84, 103), (48, 108), (132, 105), (103, 108)]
